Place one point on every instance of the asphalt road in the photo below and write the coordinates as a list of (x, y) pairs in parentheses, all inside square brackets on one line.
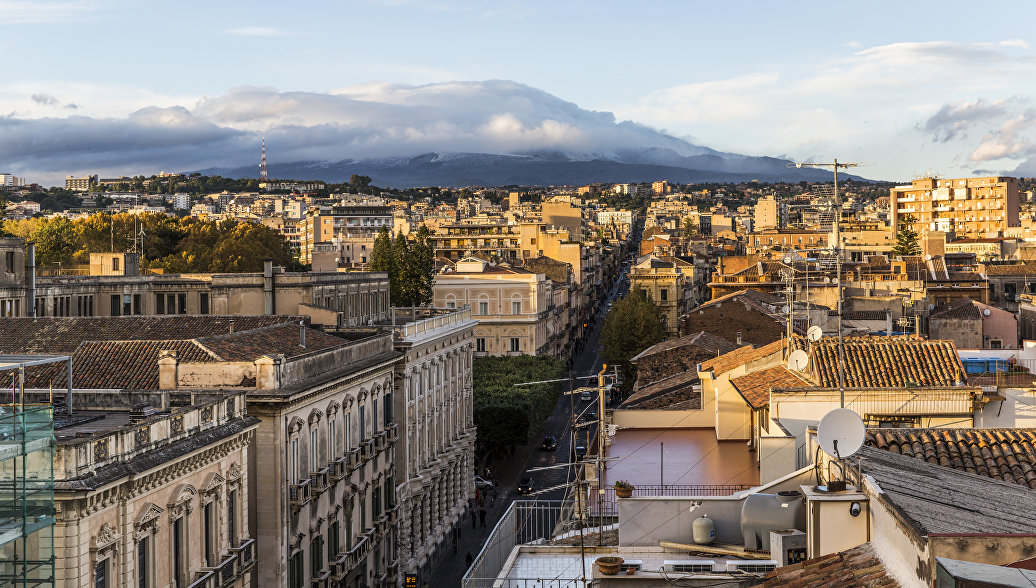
[(448, 569)]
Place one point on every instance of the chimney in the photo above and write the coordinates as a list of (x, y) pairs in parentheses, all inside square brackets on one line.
[(31, 306), (167, 369), (739, 338), (231, 326), (302, 334), (268, 286)]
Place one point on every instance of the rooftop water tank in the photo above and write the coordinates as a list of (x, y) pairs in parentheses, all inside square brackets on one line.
[(763, 513)]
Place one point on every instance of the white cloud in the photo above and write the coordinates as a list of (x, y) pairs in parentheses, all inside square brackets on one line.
[(15, 12), (256, 31)]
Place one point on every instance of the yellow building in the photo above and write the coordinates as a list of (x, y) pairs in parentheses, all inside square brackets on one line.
[(969, 207), (667, 283)]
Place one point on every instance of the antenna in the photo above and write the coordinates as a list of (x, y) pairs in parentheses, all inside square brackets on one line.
[(841, 433), (798, 360), (262, 163)]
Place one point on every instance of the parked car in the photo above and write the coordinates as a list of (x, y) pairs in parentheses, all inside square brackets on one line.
[(550, 443), (482, 483), (580, 452), (526, 486), (586, 396)]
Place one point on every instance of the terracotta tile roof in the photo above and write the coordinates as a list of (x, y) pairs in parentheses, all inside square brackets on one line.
[(51, 335), (666, 393), (1016, 269), (886, 362), (749, 294), (1002, 454), (700, 339), (862, 315), (279, 339), (856, 567), (755, 387), (959, 309), (739, 357)]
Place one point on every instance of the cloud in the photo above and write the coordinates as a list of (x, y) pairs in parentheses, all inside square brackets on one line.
[(44, 12), (256, 31), (1010, 141), (370, 121), (953, 119), (44, 99)]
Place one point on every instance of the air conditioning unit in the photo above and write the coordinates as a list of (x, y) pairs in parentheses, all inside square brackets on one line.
[(752, 566), (632, 564), (688, 566)]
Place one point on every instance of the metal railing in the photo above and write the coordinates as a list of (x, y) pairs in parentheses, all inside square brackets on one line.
[(524, 521), (603, 503)]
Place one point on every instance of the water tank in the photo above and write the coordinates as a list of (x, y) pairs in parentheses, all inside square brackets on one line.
[(763, 513), (703, 530)]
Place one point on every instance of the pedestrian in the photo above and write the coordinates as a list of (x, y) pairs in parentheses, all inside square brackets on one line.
[(482, 516), (467, 560), (473, 517)]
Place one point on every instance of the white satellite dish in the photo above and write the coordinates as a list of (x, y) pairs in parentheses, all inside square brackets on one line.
[(841, 433), (986, 312), (788, 259), (798, 360), (814, 333), (784, 309), (827, 280), (834, 280)]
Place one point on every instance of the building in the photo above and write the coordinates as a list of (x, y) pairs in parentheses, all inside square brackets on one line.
[(83, 184), (769, 213), (434, 459), (968, 207), (349, 229), (973, 325), (668, 283), (494, 241), (332, 298), (512, 306)]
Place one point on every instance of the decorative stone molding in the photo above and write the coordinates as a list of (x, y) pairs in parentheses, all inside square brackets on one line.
[(106, 539), (206, 414), (182, 504), (332, 410), (315, 526), (295, 425), (315, 416), (234, 472), (147, 522), (101, 450), (176, 425), (213, 485)]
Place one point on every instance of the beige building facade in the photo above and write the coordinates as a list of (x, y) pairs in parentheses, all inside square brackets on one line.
[(968, 207), (435, 455)]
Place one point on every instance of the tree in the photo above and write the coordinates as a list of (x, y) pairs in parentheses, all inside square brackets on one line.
[(906, 237), (358, 181), (383, 259), (690, 228), (632, 325), (423, 259)]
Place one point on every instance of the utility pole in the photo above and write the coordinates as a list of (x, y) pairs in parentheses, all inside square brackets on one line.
[(834, 165)]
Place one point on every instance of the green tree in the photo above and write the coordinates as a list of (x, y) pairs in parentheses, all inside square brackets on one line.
[(906, 237), (383, 259), (632, 325), (56, 241), (507, 415), (422, 257), (358, 181)]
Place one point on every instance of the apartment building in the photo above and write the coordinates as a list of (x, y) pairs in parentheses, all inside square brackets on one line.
[(668, 283), (350, 229), (496, 241), (83, 184), (512, 306), (434, 459), (331, 298), (968, 207)]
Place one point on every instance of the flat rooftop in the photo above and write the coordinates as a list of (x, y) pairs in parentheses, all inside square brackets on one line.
[(678, 457)]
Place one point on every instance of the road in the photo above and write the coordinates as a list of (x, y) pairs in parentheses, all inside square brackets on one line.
[(449, 568)]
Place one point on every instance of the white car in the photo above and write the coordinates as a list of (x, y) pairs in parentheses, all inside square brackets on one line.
[(482, 483), (586, 396)]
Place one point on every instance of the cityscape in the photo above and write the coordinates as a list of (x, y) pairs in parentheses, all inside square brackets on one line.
[(402, 321)]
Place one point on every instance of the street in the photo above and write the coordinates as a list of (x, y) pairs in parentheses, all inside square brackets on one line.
[(450, 568)]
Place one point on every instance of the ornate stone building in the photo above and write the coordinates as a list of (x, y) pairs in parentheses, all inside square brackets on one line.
[(435, 460)]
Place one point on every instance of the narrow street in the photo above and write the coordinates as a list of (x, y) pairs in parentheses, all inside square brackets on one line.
[(448, 570)]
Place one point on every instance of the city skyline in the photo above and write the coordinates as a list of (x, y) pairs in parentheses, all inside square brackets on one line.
[(377, 79)]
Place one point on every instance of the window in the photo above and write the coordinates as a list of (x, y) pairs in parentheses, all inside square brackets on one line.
[(127, 304), (232, 518), (293, 461), (346, 440), (138, 304), (516, 307), (9, 262), (663, 294), (203, 303), (516, 344), (375, 503), (363, 423), (451, 304), (316, 554), (996, 344), (332, 541), (314, 440), (374, 414), (142, 563), (207, 521), (179, 572), (331, 439), (115, 264), (348, 530), (387, 400), (296, 573), (483, 308), (159, 303), (390, 493), (116, 305), (480, 344), (101, 574)]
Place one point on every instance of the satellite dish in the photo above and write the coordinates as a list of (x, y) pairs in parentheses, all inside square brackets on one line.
[(834, 280), (798, 360), (931, 307), (827, 280), (841, 433), (788, 259), (814, 333), (785, 309), (986, 312), (927, 257)]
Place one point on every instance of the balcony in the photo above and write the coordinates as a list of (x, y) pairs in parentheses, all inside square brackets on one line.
[(245, 555), (323, 580), (299, 494), (393, 433), (339, 468), (226, 572), (352, 460), (320, 480), (205, 579), (341, 566)]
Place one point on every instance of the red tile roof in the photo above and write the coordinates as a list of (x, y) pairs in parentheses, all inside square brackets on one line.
[(739, 357), (1003, 454), (856, 567), (886, 362), (755, 387), (279, 339)]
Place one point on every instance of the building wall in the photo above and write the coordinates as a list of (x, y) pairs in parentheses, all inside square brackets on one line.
[(970, 207), (965, 333), (499, 324)]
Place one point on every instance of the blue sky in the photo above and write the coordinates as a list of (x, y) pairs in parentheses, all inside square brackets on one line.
[(907, 87)]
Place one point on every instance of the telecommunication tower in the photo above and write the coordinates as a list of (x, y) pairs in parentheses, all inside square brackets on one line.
[(262, 163)]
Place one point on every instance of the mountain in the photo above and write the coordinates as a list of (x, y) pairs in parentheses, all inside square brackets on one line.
[(543, 169)]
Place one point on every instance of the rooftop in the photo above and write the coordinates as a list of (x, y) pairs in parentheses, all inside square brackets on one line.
[(682, 456), (856, 567), (755, 387)]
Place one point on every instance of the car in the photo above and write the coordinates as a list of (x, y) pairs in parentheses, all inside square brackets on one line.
[(589, 416), (580, 451), (526, 486), (586, 396), (482, 483), (550, 443)]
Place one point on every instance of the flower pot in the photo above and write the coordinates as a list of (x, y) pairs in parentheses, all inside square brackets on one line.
[(623, 491), (609, 566)]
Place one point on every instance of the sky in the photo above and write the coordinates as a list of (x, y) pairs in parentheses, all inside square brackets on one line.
[(124, 87)]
